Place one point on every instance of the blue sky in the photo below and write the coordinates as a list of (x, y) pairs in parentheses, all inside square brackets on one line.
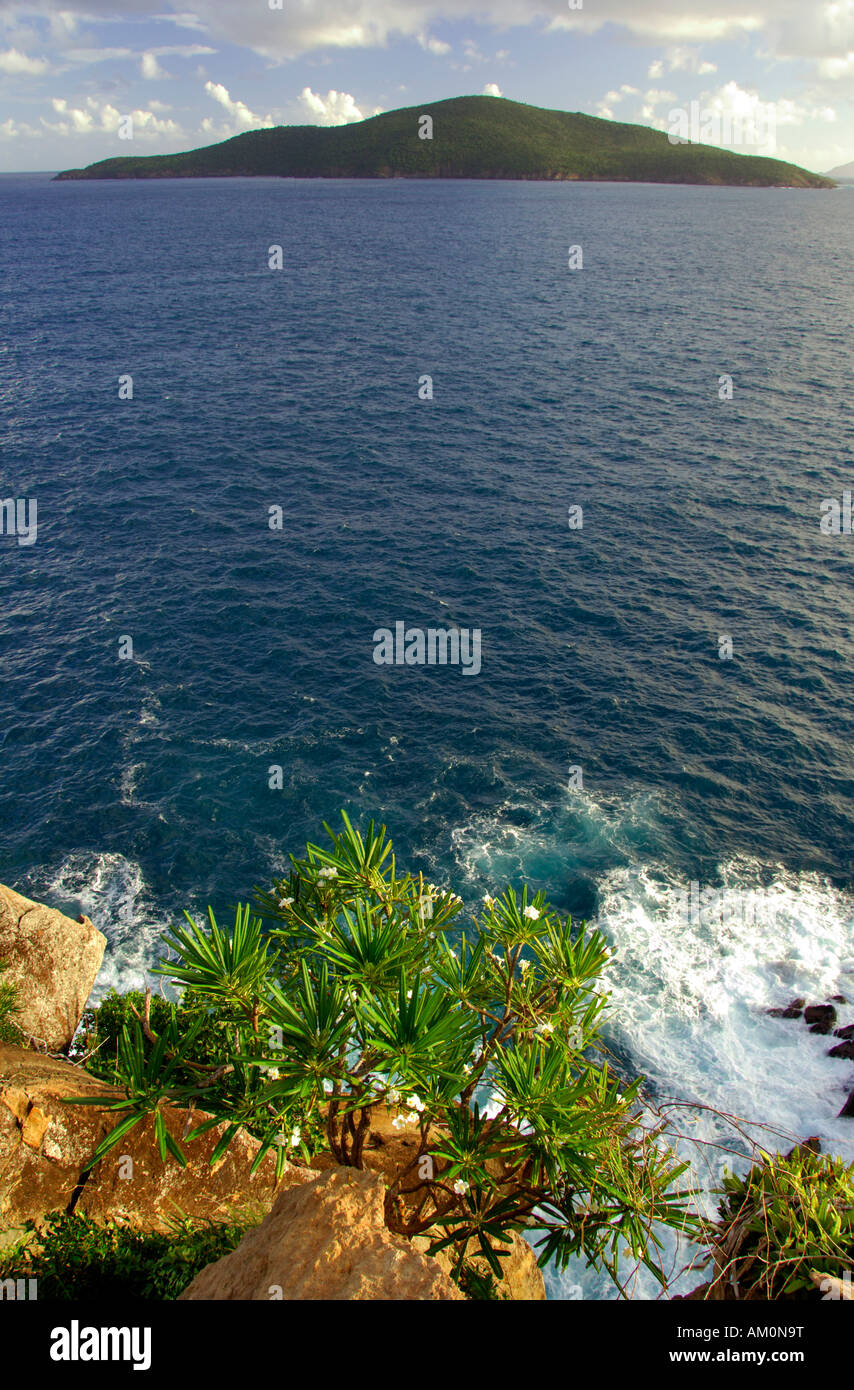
[(189, 76)]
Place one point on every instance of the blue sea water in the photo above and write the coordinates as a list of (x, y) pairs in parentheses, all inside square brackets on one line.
[(135, 788)]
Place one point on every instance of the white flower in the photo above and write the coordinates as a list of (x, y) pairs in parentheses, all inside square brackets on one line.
[(393, 1096), (532, 914), (425, 907), (409, 994), (401, 1121), (488, 901), (286, 902), (545, 1030), (296, 1136), (327, 872), (415, 1104), (460, 1187), (524, 965)]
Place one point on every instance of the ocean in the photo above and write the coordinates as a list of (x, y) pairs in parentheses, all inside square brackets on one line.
[(619, 482)]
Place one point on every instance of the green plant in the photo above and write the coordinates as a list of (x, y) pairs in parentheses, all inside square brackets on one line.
[(364, 997), (73, 1257), (9, 1032), (785, 1218)]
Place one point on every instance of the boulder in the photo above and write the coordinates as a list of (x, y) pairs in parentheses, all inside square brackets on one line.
[(843, 1049), (792, 1010), (847, 1111), (820, 1018), (388, 1150), (325, 1240), (52, 962), (846, 1032), (45, 1144)]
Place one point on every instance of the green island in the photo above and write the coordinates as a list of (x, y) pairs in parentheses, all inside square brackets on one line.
[(476, 137)]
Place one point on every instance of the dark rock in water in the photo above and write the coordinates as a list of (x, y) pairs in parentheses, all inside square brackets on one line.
[(844, 1049), (820, 1017), (847, 1032), (792, 1010), (808, 1146), (847, 1111), (838, 999)]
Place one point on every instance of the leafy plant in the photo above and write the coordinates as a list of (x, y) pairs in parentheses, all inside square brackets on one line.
[(787, 1217), (365, 999), (74, 1257), (9, 1032)]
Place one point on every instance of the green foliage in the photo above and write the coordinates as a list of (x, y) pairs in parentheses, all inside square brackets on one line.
[(476, 137), (366, 998), (99, 1038), (9, 1032), (785, 1217), (75, 1258)]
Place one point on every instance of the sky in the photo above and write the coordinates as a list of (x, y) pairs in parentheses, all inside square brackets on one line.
[(767, 76)]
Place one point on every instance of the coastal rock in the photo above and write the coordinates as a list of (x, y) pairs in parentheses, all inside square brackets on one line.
[(792, 1010), (847, 1111), (820, 1018), (45, 1144), (847, 1032), (325, 1240), (52, 962), (843, 1049), (387, 1151)]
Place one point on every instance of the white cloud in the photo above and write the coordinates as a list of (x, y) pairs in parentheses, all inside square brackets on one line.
[(681, 60), (834, 68), (150, 68), (95, 116), (435, 46), (17, 64), (13, 130), (336, 108), (241, 117), (492, 89)]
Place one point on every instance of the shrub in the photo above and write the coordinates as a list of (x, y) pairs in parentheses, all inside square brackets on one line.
[(73, 1257), (364, 995), (785, 1218), (9, 1032)]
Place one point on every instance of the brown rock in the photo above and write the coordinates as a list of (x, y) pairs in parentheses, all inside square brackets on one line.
[(847, 1032), (792, 1010), (45, 1144), (820, 1018), (847, 1111), (843, 1049), (326, 1240), (52, 962), (34, 1127)]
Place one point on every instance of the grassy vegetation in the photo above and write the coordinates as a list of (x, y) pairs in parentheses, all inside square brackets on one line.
[(8, 1005), (73, 1257), (785, 1218), (474, 137)]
